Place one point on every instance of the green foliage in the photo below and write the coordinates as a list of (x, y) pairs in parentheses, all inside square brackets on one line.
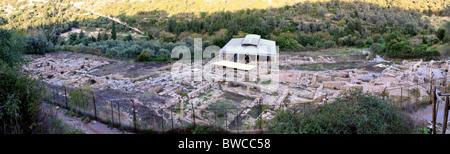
[(37, 44), (342, 22), (440, 34), (360, 43), (143, 57), (286, 41), (128, 38), (376, 47), (352, 113), (409, 28), (113, 31), (21, 99), (80, 96), (220, 42), (198, 129), (398, 47), (10, 48)]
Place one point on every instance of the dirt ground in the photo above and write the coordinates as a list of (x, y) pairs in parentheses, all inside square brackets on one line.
[(93, 127)]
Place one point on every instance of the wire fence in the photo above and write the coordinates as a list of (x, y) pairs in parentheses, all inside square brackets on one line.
[(126, 113)]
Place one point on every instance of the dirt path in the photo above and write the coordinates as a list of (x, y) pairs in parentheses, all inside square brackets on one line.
[(93, 127), (109, 17), (426, 114)]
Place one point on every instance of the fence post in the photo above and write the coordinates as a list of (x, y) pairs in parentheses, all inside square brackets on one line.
[(431, 90), (215, 120), (401, 95), (193, 112), (65, 95), (162, 119), (153, 117), (259, 117), (181, 110), (95, 107), (226, 119), (112, 114), (444, 128), (134, 115), (433, 100), (118, 111), (237, 120), (171, 115)]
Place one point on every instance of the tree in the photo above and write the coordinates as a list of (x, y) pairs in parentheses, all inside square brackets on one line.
[(105, 36), (220, 42), (424, 40), (10, 48), (81, 35), (37, 44), (113, 31), (128, 38), (440, 34), (99, 36), (409, 28)]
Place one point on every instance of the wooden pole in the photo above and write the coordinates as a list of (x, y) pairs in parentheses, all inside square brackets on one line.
[(118, 111), (181, 110), (401, 95), (433, 100), (237, 121), (134, 115), (65, 95), (193, 112), (95, 107), (112, 114), (153, 117), (162, 119), (444, 128), (226, 119), (171, 110)]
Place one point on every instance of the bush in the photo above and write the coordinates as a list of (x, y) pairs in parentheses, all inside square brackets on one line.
[(360, 43), (352, 113), (376, 47), (440, 33), (330, 44), (10, 48), (342, 22), (220, 42), (37, 44), (409, 28), (21, 98), (321, 11), (143, 57), (287, 41)]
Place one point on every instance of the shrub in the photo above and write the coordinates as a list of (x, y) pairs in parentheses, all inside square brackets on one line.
[(330, 44), (440, 33), (37, 44), (360, 43), (21, 98), (409, 28), (143, 57), (287, 41), (321, 11), (220, 42), (376, 47), (10, 48), (352, 113)]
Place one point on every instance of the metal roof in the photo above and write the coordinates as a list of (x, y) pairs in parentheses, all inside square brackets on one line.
[(235, 65), (252, 45)]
